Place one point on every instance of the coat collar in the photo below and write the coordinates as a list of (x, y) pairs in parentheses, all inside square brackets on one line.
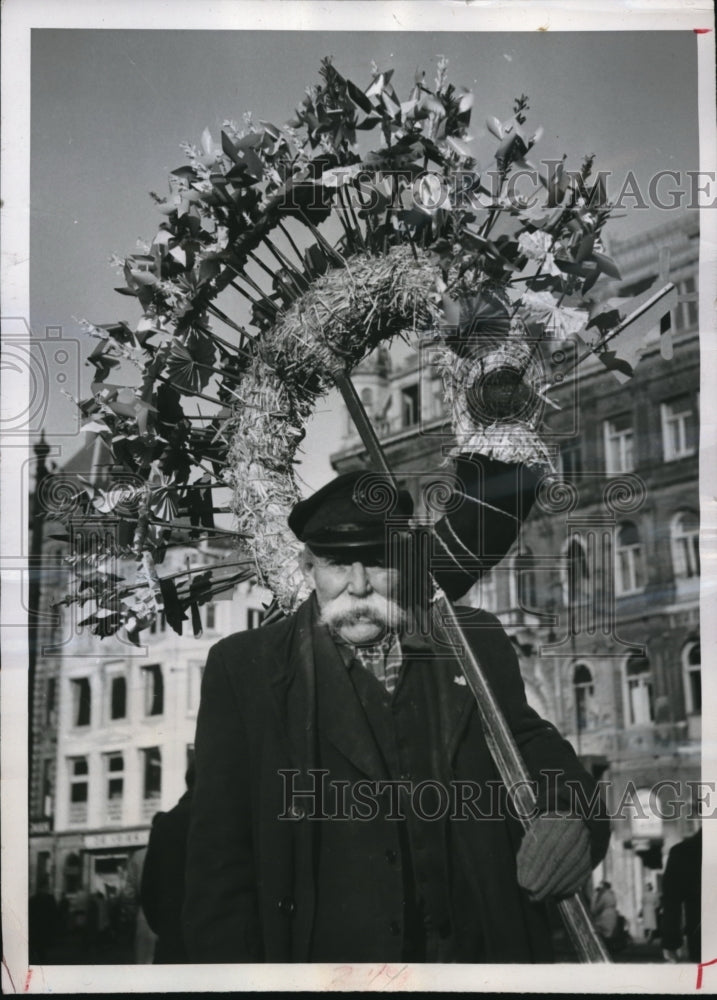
[(341, 716)]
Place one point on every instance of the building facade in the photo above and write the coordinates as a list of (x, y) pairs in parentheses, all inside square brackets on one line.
[(600, 596), (113, 728)]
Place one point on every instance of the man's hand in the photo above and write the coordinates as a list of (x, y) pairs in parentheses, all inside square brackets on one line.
[(554, 856), (669, 955)]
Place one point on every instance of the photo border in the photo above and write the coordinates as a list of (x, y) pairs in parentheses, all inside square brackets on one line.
[(19, 18)]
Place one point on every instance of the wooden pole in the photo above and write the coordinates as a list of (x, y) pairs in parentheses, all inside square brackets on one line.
[(503, 748)]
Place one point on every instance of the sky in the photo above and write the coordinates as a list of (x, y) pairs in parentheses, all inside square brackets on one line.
[(110, 109)]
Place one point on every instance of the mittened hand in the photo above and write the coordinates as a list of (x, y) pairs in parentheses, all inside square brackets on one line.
[(554, 856)]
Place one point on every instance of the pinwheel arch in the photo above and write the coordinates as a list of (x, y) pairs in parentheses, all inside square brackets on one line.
[(330, 252)]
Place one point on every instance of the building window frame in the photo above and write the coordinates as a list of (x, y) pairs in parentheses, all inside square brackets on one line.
[(522, 583), (410, 405), (676, 430), (81, 701), (153, 690), (638, 692), (116, 694), (685, 546), (686, 313), (78, 797), (114, 785), (583, 685), (629, 561), (619, 444), (114, 767), (692, 677)]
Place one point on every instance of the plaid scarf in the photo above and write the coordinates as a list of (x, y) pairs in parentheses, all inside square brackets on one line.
[(383, 659)]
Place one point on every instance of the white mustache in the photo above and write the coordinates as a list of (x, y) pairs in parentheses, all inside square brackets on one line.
[(347, 610)]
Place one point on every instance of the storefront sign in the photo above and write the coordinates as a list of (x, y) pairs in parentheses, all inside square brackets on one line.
[(40, 826), (118, 838)]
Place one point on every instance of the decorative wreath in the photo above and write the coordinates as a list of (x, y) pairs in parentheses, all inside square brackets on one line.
[(285, 255)]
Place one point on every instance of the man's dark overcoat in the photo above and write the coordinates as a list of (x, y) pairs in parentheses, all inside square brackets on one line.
[(260, 888)]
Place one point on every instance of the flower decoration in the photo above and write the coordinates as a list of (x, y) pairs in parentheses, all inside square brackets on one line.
[(282, 256)]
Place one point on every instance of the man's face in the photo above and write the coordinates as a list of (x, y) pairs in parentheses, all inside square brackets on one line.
[(358, 599)]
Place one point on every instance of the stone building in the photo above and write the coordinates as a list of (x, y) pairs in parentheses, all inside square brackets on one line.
[(601, 595)]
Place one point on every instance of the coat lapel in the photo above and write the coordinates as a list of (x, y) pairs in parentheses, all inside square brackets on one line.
[(455, 701)]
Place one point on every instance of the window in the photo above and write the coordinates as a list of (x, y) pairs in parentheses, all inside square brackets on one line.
[(118, 697), (686, 313), (571, 460), (50, 701), (210, 616), (583, 690), (576, 575), (367, 399), (254, 617), (153, 689), (685, 539), (638, 676), (410, 411), (152, 784), (79, 773), (679, 428), (523, 590), (81, 701), (115, 776), (619, 444), (629, 572), (692, 673)]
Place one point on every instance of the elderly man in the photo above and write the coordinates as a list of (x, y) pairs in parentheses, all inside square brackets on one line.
[(346, 807)]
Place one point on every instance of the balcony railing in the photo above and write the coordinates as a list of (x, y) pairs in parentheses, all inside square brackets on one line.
[(113, 811), (78, 814)]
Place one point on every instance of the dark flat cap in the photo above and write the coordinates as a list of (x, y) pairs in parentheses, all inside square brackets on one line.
[(349, 512)]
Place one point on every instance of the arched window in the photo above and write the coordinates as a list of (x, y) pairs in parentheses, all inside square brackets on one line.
[(629, 571), (523, 588), (692, 675), (576, 575), (367, 398), (685, 541), (583, 690), (638, 680)]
